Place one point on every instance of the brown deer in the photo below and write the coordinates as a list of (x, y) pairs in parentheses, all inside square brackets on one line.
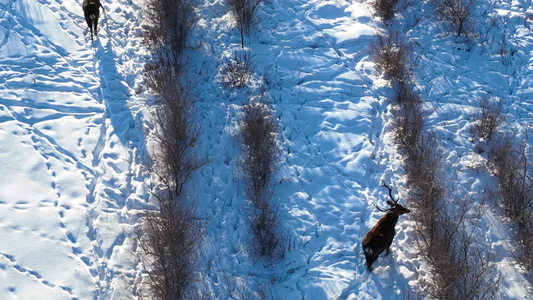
[(91, 11), (380, 237)]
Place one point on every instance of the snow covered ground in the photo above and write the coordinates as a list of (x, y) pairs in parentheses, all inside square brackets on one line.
[(72, 119)]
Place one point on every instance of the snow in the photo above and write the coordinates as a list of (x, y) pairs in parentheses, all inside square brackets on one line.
[(73, 119)]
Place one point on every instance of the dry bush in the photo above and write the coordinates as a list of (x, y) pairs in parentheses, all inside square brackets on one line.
[(489, 118), (244, 12), (162, 77), (504, 52), (237, 71), (176, 156), (392, 55), (408, 124), (239, 289), (457, 14), (168, 242), (260, 155), (459, 269), (507, 49), (405, 95), (170, 234), (259, 135), (265, 223), (169, 25), (422, 163), (526, 233), (510, 159), (385, 9), (462, 268)]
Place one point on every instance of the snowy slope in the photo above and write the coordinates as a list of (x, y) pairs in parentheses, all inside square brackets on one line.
[(72, 119)]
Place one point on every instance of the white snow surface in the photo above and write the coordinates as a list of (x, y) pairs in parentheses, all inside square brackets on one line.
[(73, 120)]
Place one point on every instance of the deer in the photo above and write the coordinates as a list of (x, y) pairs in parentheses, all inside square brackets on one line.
[(380, 237), (91, 11)]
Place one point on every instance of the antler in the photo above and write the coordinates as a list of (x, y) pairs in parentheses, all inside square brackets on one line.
[(390, 192), (379, 208)]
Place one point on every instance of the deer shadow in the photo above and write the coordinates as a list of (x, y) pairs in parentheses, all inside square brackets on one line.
[(115, 95)]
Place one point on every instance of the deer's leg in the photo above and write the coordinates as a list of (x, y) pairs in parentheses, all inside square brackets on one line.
[(369, 262), (96, 24), (370, 255), (389, 243), (89, 24)]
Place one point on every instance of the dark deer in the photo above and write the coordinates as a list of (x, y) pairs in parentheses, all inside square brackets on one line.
[(91, 10), (380, 237)]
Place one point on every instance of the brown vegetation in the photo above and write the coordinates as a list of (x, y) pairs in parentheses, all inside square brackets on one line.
[(169, 236), (260, 154), (445, 238), (509, 157), (385, 9), (489, 118), (392, 55), (457, 15), (237, 71), (245, 14)]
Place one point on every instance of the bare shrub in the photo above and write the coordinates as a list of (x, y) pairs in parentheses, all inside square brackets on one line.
[(458, 271), (169, 25), (168, 243), (489, 117), (162, 77), (244, 12), (504, 53), (240, 289), (259, 134), (385, 9), (457, 14), (422, 164), (507, 49), (392, 55), (176, 157), (509, 158), (526, 242), (405, 96), (259, 137), (265, 223), (237, 71), (408, 124), (462, 267), (170, 235)]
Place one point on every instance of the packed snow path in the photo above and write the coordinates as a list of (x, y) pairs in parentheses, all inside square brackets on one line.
[(68, 139)]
